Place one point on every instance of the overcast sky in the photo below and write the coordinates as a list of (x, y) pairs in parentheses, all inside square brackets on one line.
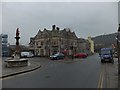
[(84, 18)]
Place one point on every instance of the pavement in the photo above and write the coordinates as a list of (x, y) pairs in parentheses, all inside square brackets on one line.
[(7, 72), (110, 72)]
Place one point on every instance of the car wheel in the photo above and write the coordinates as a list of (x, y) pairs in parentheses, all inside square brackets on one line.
[(83, 56), (112, 61), (57, 58), (102, 61)]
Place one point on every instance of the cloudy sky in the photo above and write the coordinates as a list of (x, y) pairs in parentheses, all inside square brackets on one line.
[(84, 18)]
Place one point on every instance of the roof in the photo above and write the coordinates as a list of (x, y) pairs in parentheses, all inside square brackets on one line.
[(65, 33), (106, 48)]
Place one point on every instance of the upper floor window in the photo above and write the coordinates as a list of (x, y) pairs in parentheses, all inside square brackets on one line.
[(36, 43), (41, 42)]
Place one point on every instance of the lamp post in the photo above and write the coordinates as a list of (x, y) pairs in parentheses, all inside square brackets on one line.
[(49, 46), (72, 48), (118, 41), (59, 44), (118, 45)]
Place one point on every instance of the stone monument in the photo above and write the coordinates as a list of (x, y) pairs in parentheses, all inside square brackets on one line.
[(15, 60), (17, 48)]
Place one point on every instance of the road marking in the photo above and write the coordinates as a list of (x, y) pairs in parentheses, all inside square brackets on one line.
[(100, 82)]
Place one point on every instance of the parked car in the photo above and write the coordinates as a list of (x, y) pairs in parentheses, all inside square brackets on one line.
[(26, 54), (80, 55), (57, 56)]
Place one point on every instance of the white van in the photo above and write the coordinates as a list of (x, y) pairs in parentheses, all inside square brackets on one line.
[(27, 54)]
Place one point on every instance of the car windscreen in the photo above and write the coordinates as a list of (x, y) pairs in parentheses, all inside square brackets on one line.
[(105, 52), (56, 54)]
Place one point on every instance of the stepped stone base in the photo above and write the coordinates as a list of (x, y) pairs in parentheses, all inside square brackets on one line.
[(16, 62)]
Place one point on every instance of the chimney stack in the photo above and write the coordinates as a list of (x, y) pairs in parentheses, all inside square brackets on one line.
[(53, 27), (57, 28)]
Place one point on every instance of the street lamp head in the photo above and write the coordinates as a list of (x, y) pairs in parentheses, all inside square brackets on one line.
[(119, 28)]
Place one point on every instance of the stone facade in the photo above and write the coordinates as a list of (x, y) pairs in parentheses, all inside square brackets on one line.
[(48, 42), (84, 46)]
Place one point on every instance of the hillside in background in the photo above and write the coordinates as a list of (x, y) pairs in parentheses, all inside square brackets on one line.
[(104, 40)]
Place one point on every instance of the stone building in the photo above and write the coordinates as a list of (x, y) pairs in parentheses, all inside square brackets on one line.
[(32, 45), (83, 45), (48, 42)]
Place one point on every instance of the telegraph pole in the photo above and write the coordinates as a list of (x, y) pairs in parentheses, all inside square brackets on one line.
[(118, 45)]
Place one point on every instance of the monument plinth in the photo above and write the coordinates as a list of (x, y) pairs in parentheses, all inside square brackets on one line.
[(15, 60)]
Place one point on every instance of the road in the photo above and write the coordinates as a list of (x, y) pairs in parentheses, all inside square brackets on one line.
[(85, 73)]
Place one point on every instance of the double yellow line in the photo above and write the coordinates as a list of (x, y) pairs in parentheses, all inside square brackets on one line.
[(100, 82)]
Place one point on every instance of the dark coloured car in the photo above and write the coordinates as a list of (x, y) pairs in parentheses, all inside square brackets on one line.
[(80, 55), (57, 56), (106, 54)]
